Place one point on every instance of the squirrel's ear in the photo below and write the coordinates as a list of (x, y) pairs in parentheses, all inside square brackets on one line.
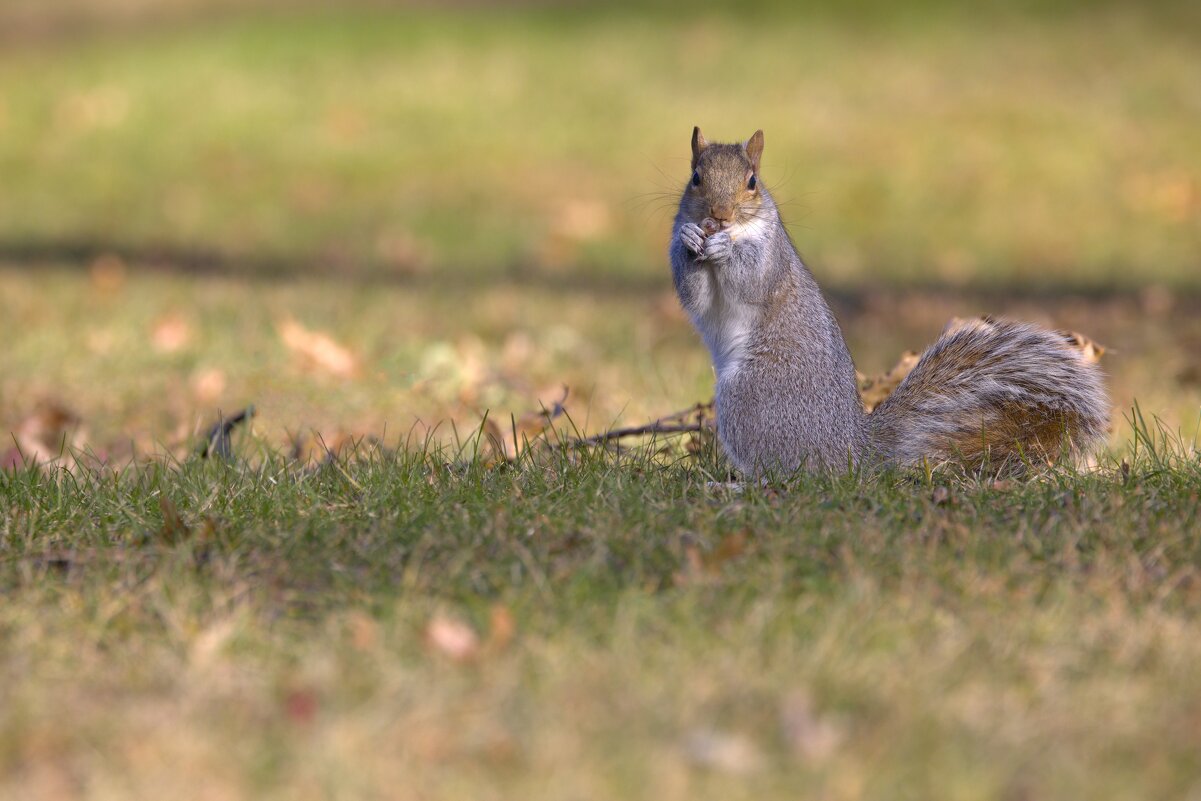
[(754, 149), (698, 145)]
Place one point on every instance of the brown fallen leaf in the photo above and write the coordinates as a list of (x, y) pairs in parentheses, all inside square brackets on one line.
[(873, 391), (812, 737), (51, 434), (208, 384), (170, 334), (318, 350), (723, 752), (502, 629), (301, 706), (1089, 348), (452, 638)]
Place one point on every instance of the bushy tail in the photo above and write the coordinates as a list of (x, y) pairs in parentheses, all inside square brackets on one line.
[(997, 394)]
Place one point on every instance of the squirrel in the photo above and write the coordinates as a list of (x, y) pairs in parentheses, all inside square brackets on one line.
[(988, 394)]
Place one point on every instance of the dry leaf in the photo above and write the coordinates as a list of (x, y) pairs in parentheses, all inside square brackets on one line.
[(300, 706), (52, 434), (812, 738), (452, 638), (1091, 351), (873, 391), (170, 334), (318, 349), (503, 628), (723, 752), (208, 384)]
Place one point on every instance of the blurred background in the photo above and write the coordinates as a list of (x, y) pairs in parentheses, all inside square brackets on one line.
[(368, 218)]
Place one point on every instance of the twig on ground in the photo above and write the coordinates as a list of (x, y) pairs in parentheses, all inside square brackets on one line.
[(698, 417)]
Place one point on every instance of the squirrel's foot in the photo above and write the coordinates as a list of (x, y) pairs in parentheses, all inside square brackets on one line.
[(718, 247), (693, 238)]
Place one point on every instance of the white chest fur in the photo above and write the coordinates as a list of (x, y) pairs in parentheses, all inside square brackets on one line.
[(728, 322), (726, 326)]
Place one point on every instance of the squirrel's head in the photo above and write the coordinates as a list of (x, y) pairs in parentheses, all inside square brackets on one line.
[(725, 181)]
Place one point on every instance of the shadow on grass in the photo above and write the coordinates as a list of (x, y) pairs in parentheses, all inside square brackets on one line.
[(181, 260)]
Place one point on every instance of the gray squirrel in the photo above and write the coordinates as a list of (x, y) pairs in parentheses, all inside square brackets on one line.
[(990, 393)]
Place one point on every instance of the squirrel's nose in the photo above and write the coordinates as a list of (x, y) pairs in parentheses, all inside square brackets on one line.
[(722, 213)]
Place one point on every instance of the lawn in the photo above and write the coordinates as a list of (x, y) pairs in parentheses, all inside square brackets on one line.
[(380, 226), (1047, 148), (414, 626)]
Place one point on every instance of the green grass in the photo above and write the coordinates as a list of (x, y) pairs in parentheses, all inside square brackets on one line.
[(474, 204), (1050, 148), (259, 630)]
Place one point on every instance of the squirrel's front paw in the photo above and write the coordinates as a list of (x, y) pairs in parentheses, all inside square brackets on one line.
[(693, 238), (718, 247)]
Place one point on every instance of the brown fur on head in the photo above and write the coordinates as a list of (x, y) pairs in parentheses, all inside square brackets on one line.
[(724, 183)]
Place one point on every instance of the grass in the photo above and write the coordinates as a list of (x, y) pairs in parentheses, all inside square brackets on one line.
[(145, 361), (371, 222), (1047, 148), (250, 629)]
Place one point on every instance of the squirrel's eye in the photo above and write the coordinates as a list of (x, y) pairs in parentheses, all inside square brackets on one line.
[(696, 178), (751, 183)]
